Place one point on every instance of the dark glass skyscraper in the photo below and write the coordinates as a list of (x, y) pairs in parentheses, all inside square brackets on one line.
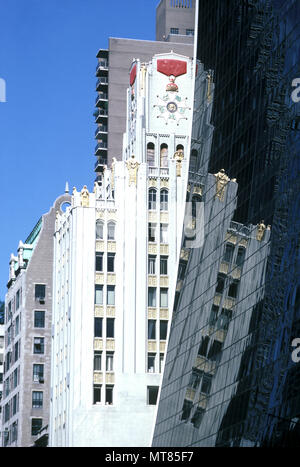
[(230, 379)]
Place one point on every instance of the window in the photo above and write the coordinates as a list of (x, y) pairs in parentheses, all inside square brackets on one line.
[(97, 360), (164, 200), (229, 249), (97, 393), (111, 231), (17, 325), (14, 405), (174, 30), (110, 327), (186, 409), (203, 346), (110, 295), (99, 262), (214, 350), (36, 425), (98, 294), (40, 292), (151, 264), (151, 363), (38, 373), (161, 362), (109, 395), (38, 345), (152, 393), (17, 299), (39, 319), (164, 155), (110, 262), (16, 374), (16, 351), (197, 417), (151, 329), (220, 284), (152, 232), (163, 265), (163, 233), (98, 327), (109, 361), (194, 160), (240, 256), (206, 384), (152, 296), (195, 378), (233, 290), (164, 298), (37, 399), (189, 32), (99, 229), (151, 154), (163, 329), (152, 199)]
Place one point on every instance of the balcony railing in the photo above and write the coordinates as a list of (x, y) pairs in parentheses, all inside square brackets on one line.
[(101, 81), (100, 113), (102, 65), (100, 130), (101, 146), (102, 96)]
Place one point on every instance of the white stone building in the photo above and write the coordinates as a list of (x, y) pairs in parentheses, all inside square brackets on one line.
[(115, 269)]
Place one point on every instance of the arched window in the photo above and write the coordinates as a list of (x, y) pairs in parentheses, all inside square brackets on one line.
[(99, 229), (164, 155), (151, 154), (179, 147), (152, 199), (111, 231), (164, 199), (193, 161)]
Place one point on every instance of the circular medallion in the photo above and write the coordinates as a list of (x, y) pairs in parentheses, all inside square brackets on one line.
[(172, 107)]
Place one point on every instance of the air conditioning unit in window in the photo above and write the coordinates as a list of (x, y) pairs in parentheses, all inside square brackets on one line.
[(151, 369), (41, 380), (36, 378)]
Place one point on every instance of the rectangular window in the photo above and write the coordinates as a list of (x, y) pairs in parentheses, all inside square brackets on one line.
[(36, 425), (161, 362), (152, 296), (99, 262), (164, 265), (109, 361), (151, 264), (16, 371), (40, 292), (110, 327), (97, 393), (220, 284), (163, 329), (16, 351), (111, 262), (229, 249), (17, 325), (98, 327), (38, 373), (110, 295), (151, 363), (37, 399), (38, 345), (164, 298), (39, 319), (14, 405), (163, 233), (109, 395), (17, 299), (240, 258), (98, 294), (152, 393), (151, 329), (189, 32), (97, 360), (233, 290), (152, 232), (174, 30)]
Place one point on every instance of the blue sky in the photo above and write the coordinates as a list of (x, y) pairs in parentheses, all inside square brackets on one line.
[(48, 59)]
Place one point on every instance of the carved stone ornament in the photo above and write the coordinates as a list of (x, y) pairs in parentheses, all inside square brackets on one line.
[(221, 181), (209, 83), (85, 197), (178, 156), (260, 231), (132, 166)]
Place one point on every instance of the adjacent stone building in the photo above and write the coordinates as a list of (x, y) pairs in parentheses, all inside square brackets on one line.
[(28, 317)]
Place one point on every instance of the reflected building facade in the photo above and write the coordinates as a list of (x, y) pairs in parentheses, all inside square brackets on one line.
[(242, 391)]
